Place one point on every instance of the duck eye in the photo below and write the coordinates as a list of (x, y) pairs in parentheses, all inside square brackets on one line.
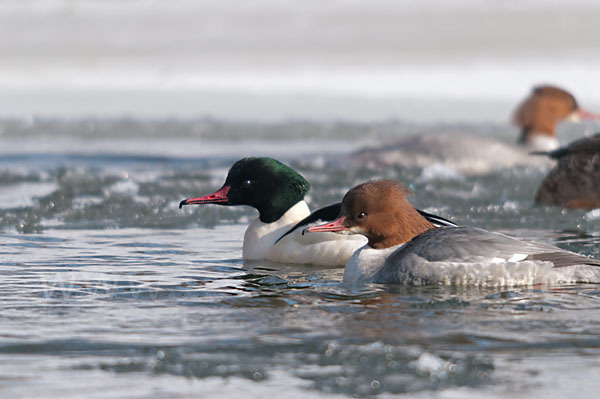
[(247, 183), (361, 215)]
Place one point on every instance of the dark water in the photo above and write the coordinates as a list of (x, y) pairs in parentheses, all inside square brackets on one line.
[(110, 290)]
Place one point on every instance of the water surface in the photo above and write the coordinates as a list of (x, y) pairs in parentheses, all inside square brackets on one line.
[(110, 290)]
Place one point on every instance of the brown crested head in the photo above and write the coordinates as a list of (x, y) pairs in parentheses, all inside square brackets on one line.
[(380, 211), (542, 110)]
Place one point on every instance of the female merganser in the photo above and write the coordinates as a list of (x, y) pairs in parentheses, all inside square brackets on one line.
[(406, 248), (537, 117), (277, 192), (575, 180)]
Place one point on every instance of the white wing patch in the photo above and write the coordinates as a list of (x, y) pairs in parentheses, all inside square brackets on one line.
[(517, 257)]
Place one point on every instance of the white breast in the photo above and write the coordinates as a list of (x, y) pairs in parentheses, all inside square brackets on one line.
[(365, 262), (541, 142), (314, 248)]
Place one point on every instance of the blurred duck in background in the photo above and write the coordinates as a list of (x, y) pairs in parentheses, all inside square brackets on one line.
[(575, 180), (537, 116)]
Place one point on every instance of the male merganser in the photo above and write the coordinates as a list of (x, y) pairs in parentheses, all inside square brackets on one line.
[(406, 248), (277, 192), (537, 116), (575, 180)]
